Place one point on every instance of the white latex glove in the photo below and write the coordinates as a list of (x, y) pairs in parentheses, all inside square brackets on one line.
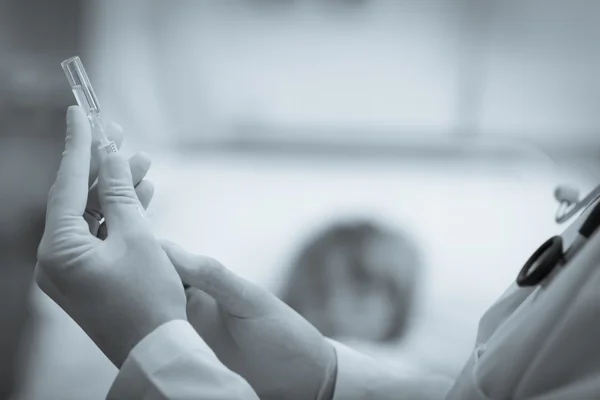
[(139, 165), (253, 333), (118, 290)]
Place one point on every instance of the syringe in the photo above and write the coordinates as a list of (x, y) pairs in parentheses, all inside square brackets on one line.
[(86, 98)]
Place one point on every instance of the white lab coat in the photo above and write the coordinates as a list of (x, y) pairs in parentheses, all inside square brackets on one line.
[(536, 343), (174, 363)]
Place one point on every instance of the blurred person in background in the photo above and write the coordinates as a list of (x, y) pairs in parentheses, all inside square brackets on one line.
[(356, 281)]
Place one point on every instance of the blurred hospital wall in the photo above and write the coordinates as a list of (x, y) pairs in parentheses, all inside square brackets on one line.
[(267, 120), (33, 37)]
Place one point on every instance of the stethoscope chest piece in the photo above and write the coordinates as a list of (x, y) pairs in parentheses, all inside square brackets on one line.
[(541, 263)]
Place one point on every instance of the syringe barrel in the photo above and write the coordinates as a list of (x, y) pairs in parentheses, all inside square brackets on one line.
[(81, 86), (86, 99)]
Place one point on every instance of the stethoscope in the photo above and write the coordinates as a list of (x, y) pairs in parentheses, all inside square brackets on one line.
[(551, 253)]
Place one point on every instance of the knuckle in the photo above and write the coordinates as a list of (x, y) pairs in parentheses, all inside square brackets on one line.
[(214, 270), (212, 265), (120, 192)]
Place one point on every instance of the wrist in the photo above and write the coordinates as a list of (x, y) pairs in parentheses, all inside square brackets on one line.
[(137, 333)]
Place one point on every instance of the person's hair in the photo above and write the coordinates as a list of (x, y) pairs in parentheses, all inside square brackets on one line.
[(395, 271)]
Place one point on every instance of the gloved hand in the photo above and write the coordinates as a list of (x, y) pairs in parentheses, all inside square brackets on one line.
[(139, 165), (253, 333), (118, 290)]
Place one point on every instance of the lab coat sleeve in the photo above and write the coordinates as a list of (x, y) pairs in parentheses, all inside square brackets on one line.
[(360, 377), (173, 362)]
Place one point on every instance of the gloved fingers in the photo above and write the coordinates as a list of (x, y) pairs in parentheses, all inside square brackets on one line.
[(144, 191), (139, 164), (118, 199), (241, 298), (68, 196), (202, 312), (115, 133)]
